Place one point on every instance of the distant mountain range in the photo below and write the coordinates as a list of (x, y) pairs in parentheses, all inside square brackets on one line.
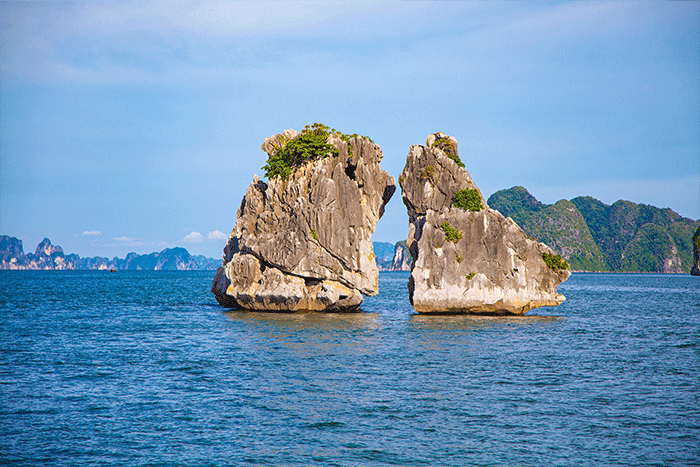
[(590, 235), (593, 236), (48, 256)]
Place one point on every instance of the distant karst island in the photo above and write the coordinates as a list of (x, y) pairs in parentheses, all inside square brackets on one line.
[(52, 257)]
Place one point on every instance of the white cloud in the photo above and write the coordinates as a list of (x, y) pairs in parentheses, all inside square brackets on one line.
[(217, 235), (194, 237), (91, 233), (125, 239)]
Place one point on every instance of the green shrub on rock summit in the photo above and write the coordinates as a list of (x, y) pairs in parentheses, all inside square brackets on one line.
[(446, 146), (310, 144)]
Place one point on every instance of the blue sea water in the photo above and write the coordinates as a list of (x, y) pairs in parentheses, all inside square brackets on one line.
[(144, 368)]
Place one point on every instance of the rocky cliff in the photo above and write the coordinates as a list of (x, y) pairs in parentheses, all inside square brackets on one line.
[(303, 240), (469, 258)]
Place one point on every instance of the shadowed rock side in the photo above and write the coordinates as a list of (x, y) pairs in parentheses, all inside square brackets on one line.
[(305, 243), (468, 260)]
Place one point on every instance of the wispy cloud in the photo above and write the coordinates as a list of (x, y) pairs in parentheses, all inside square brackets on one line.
[(91, 233), (156, 43), (217, 235), (126, 241), (194, 237)]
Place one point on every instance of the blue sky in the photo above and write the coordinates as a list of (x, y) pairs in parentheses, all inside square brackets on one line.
[(137, 126)]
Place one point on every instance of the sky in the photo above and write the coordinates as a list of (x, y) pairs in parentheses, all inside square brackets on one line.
[(137, 126)]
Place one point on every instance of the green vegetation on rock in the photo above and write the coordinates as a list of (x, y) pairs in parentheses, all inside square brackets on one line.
[(310, 144), (648, 250), (453, 235), (468, 199), (448, 147), (555, 262), (428, 173), (471, 275)]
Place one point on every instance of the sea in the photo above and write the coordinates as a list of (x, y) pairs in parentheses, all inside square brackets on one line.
[(145, 368)]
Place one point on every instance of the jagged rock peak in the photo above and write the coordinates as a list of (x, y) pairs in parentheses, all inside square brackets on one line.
[(45, 248), (468, 258), (303, 240)]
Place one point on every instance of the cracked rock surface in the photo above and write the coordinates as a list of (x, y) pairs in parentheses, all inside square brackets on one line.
[(487, 265), (305, 243)]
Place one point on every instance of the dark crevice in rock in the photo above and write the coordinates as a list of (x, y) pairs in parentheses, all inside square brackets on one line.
[(350, 170), (311, 281)]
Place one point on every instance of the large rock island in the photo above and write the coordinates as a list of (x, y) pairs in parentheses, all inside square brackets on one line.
[(469, 258), (303, 241)]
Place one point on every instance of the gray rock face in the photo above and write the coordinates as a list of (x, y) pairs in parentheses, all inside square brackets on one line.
[(695, 271), (305, 243), (467, 261)]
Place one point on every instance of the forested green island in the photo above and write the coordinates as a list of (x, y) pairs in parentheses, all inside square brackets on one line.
[(594, 236)]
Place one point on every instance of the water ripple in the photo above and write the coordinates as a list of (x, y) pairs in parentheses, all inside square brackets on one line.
[(144, 368)]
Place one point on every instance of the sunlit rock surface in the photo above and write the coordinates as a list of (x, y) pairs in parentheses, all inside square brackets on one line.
[(489, 265), (305, 243)]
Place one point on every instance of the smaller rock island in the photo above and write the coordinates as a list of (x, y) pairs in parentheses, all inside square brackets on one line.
[(303, 241), (468, 258)]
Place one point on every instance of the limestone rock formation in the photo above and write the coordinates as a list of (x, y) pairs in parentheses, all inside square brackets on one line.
[(468, 259), (305, 242), (402, 257), (696, 253)]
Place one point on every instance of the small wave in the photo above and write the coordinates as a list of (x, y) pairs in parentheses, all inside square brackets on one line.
[(325, 425)]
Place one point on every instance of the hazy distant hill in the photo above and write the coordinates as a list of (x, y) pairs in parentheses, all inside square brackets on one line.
[(593, 236), (384, 254), (48, 256), (392, 257)]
